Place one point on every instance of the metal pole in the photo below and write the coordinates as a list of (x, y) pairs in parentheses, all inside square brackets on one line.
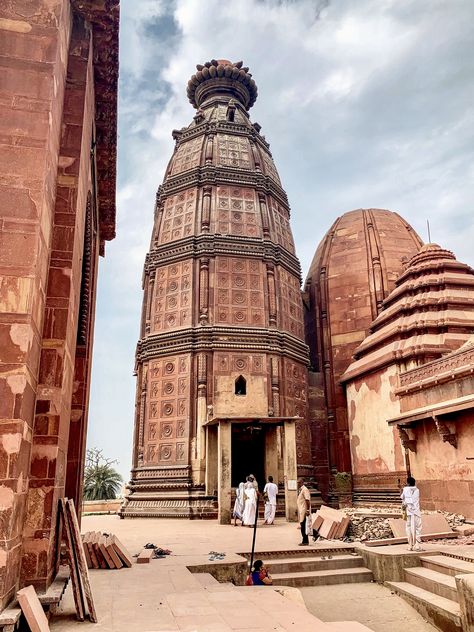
[(254, 535)]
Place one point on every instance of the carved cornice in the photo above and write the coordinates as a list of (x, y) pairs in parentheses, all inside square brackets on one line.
[(223, 127), (208, 245), (104, 15), (214, 338), (212, 175), (454, 366)]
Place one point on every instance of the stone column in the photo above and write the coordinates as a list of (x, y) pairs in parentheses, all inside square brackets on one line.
[(204, 291), (200, 454), (211, 460), (271, 453), (224, 465), (289, 469), (206, 209)]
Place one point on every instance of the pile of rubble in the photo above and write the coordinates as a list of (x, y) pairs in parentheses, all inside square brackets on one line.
[(371, 523)]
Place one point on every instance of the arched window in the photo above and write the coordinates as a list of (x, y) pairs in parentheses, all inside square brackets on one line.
[(241, 385)]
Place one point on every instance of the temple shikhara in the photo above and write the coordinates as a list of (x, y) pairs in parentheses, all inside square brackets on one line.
[(351, 379), (363, 377)]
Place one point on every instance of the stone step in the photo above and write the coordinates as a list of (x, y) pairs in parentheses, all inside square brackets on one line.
[(323, 577), (446, 564), (206, 579), (314, 563), (348, 626), (442, 612), (437, 583)]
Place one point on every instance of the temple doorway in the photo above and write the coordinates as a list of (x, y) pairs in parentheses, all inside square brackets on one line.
[(248, 454)]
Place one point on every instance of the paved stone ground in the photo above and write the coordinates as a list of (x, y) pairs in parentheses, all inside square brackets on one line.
[(371, 604), (161, 596)]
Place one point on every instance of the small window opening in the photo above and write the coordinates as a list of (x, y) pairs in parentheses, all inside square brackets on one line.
[(241, 385)]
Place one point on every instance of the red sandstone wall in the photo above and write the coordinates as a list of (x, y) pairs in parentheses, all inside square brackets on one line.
[(33, 55), (444, 475), (46, 130)]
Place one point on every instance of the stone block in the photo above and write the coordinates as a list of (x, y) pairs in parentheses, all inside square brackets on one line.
[(465, 586)]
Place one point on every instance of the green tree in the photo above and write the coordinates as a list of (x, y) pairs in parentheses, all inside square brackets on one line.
[(101, 480)]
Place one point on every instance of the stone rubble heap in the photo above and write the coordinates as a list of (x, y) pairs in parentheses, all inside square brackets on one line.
[(371, 523)]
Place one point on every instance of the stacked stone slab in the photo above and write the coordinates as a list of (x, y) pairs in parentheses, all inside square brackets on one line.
[(222, 324)]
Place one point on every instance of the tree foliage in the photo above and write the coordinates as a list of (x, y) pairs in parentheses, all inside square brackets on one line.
[(101, 480)]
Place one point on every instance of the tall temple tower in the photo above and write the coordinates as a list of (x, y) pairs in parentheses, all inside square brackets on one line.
[(221, 361)]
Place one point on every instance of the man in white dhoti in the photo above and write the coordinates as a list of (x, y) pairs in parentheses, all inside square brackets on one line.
[(250, 506), (411, 501), (270, 492), (239, 505)]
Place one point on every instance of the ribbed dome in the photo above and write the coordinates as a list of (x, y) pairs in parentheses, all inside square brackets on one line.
[(428, 314)]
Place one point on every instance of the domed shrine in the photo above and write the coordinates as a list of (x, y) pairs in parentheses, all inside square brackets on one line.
[(221, 362), (410, 391), (353, 271)]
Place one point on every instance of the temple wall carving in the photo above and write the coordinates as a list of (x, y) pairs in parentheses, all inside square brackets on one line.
[(172, 300), (166, 434)]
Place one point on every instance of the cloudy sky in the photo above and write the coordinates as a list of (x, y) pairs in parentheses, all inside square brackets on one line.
[(365, 103)]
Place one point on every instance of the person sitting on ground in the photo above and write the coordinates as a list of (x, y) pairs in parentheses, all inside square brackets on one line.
[(411, 501), (260, 576)]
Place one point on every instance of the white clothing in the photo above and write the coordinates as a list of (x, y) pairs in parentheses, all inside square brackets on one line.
[(270, 511), (250, 507), (411, 499), (271, 490), (413, 531), (239, 502)]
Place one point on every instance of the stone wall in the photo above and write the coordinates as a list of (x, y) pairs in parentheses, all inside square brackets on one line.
[(49, 247), (377, 456)]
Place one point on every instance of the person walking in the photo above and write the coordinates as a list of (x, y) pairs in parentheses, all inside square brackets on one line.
[(303, 504), (270, 492), (411, 501), (250, 507), (238, 512)]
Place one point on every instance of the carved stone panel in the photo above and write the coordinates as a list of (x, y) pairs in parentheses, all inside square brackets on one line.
[(188, 155), (237, 212), (238, 295), (233, 151), (281, 225), (295, 402), (173, 297), (291, 306), (168, 411), (269, 167), (178, 216)]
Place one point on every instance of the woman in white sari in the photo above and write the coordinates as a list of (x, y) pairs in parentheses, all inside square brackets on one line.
[(250, 506), (239, 505)]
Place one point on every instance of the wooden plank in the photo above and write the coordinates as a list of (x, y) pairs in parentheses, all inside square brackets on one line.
[(109, 543), (318, 521), (122, 552), (145, 556), (86, 552), (90, 548), (326, 528), (75, 578), (81, 559), (32, 609), (95, 535), (343, 526), (103, 549)]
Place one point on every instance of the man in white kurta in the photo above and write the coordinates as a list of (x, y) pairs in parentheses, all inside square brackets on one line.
[(271, 491), (411, 500)]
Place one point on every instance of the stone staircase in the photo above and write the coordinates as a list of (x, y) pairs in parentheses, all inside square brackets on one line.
[(317, 568), (431, 589)]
